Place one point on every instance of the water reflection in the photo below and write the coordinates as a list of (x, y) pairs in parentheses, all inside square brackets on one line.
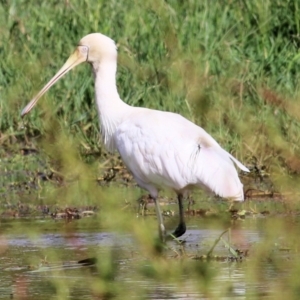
[(27, 272)]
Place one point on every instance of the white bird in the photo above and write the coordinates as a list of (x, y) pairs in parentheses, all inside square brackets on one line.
[(161, 149)]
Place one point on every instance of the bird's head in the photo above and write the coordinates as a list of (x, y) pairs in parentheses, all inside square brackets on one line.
[(94, 48)]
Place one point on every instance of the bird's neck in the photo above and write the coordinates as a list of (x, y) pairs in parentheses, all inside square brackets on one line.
[(110, 107)]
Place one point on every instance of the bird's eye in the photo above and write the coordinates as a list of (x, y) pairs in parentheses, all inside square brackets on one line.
[(84, 49)]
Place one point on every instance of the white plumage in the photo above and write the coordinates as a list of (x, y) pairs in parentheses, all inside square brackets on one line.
[(161, 149)]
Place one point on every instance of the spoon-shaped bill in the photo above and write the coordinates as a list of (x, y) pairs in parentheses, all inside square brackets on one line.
[(80, 55)]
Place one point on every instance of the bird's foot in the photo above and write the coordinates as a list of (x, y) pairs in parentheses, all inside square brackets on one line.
[(180, 230)]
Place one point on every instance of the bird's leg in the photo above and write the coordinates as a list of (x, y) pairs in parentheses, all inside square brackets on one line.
[(142, 206), (181, 228), (161, 226)]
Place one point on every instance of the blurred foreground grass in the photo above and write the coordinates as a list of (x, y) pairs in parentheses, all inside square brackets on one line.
[(229, 66)]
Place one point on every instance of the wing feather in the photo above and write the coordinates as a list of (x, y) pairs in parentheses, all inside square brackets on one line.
[(166, 150)]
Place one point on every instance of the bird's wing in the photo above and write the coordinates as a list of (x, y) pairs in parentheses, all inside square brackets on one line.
[(165, 149), (215, 170)]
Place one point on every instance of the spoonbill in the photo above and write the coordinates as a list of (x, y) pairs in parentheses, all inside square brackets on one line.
[(161, 149)]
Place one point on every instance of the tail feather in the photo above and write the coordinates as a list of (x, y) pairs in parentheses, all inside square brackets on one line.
[(217, 172), (238, 163)]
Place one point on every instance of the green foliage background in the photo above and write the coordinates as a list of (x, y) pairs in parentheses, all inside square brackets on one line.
[(230, 66)]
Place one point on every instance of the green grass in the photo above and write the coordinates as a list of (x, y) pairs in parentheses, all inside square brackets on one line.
[(229, 66)]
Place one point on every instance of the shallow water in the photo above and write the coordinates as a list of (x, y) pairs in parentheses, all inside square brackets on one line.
[(30, 262)]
